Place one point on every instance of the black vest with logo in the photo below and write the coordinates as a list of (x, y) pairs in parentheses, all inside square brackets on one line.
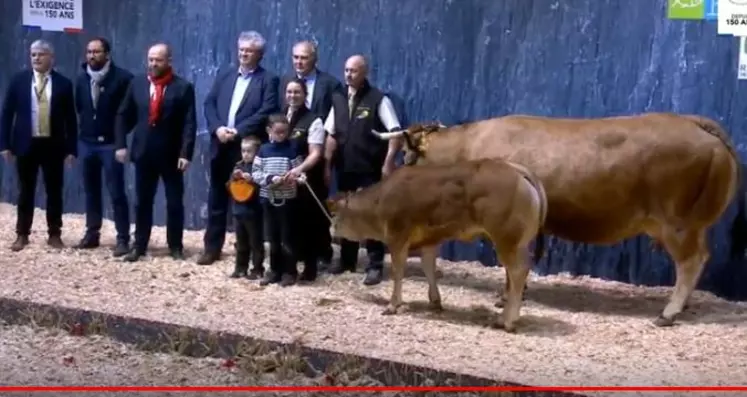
[(359, 150), (299, 134)]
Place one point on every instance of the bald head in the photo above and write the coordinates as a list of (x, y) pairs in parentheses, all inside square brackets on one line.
[(159, 59), (356, 71)]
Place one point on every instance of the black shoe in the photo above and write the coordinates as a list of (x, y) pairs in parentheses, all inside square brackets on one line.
[(87, 242), (177, 254), (121, 249), (55, 241), (208, 258), (238, 273), (307, 277), (134, 255), (287, 280), (373, 277), (255, 274), (324, 265), (270, 278), (20, 243), (338, 268)]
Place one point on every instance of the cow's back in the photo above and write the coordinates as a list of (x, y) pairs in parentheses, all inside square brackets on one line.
[(607, 178)]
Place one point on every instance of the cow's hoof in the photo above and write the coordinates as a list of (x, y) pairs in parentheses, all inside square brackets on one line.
[(435, 306), (662, 321), (391, 310), (499, 324)]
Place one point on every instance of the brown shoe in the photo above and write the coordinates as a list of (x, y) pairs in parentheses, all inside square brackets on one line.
[(55, 242), (20, 243)]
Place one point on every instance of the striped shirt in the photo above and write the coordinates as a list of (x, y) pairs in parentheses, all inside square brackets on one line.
[(275, 159)]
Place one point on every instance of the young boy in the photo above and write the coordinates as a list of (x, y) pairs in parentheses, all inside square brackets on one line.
[(277, 191), (248, 223)]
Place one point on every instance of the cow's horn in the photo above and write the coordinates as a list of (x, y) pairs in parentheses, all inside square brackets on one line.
[(388, 135)]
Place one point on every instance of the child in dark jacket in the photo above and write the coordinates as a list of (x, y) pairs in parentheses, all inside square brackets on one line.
[(248, 219), (277, 192)]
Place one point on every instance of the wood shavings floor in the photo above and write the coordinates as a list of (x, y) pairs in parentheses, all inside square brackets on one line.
[(573, 331)]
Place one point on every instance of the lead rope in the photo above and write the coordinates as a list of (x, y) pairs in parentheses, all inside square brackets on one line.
[(302, 180)]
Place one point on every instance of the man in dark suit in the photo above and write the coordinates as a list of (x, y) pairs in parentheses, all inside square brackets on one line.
[(159, 110), (241, 99), (38, 129), (320, 86), (99, 92)]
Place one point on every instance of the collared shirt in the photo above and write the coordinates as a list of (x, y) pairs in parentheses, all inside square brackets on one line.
[(310, 80), (386, 112), (239, 89), (35, 101)]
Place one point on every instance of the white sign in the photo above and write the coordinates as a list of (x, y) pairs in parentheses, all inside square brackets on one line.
[(742, 71), (732, 17), (54, 15)]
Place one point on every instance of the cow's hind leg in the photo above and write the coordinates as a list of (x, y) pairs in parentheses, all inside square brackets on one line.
[(516, 262), (428, 257), (689, 251), (399, 261)]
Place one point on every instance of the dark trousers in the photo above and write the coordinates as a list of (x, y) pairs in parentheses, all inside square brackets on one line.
[(349, 182), (313, 239), (147, 175), (43, 154), (277, 220), (249, 242), (97, 160), (219, 201)]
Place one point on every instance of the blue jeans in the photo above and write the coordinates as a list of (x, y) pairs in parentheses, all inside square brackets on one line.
[(96, 158)]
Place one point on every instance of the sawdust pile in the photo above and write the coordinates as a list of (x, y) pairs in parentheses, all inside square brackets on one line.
[(573, 331)]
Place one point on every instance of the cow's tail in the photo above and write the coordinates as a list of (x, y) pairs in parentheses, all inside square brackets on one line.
[(540, 239), (714, 128)]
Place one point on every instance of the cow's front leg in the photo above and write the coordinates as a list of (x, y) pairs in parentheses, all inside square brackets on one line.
[(399, 260)]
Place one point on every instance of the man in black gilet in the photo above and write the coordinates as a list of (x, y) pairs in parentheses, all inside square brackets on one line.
[(359, 157)]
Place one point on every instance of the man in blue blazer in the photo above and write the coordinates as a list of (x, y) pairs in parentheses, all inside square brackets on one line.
[(237, 106), (159, 110), (38, 129), (99, 92), (320, 85)]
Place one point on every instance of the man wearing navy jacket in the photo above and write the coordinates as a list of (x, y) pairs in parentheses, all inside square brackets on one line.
[(159, 110), (237, 106), (38, 130), (99, 92)]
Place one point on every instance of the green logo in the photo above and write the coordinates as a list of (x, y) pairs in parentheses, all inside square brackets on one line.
[(686, 9)]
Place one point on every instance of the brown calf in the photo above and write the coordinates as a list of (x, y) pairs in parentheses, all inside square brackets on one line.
[(420, 207)]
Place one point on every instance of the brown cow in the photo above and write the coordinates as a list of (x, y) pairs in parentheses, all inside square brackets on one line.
[(607, 179), (420, 207)]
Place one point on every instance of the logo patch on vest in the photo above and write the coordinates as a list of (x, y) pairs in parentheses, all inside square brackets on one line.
[(363, 112)]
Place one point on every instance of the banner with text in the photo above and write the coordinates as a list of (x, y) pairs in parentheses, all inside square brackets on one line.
[(53, 15), (732, 17)]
